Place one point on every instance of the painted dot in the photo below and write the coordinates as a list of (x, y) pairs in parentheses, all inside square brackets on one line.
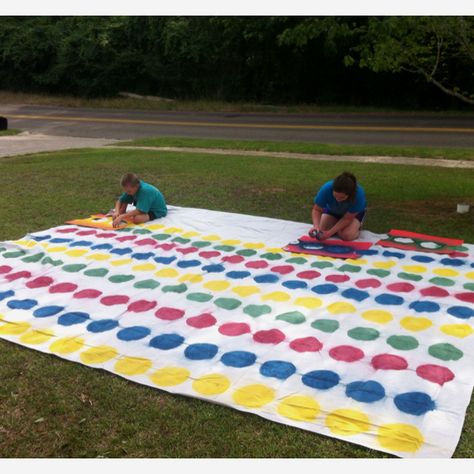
[(238, 359), (308, 274), (424, 306), (400, 437), (283, 269), (403, 343), (234, 329), (102, 325), (169, 314), (14, 329), (461, 312), (414, 268), (217, 285), (299, 408), (308, 302), (422, 259), (114, 300), (325, 325), (363, 334), (133, 333), (40, 282), (347, 422), (47, 311), (269, 278), (388, 299), (440, 281), (211, 384), (435, 373), (401, 287), (467, 297), (188, 263), (445, 351), (412, 323), (270, 336), (276, 296), (353, 294), (377, 316), (141, 306), (62, 288), (147, 284), (434, 291), (227, 303), (74, 317), (388, 253), (121, 278), (368, 283), (5, 269), (88, 293), (414, 403), (66, 345), (322, 264), (170, 376), (36, 336), (199, 297), (294, 284), (6, 294), (321, 379), (453, 262), (166, 342), (133, 365), (324, 289), (18, 275), (201, 321), (277, 369), (214, 268), (346, 353), (257, 264), (237, 275), (445, 272), (96, 272), (365, 391), (98, 355), (256, 310), (378, 272), (341, 308), (22, 304), (337, 278), (389, 362), (457, 330), (253, 396), (200, 351), (306, 344)]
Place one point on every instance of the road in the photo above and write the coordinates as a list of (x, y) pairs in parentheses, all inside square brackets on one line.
[(433, 130)]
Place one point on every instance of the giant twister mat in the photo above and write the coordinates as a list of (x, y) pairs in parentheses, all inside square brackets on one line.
[(375, 350)]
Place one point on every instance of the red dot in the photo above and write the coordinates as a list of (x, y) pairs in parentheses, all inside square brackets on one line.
[(67, 230), (141, 305), (368, 283), (282, 269), (389, 362), (306, 344), (435, 373), (401, 287), (257, 264), (234, 329), (126, 237), (89, 293), (5, 269), (346, 353), (146, 242), (106, 235), (17, 275), (40, 282), (272, 336), (434, 291), (166, 246), (308, 274), (209, 253), (63, 288), (233, 259), (114, 299), (337, 278), (169, 314), (86, 232), (468, 297), (204, 320), (187, 250)]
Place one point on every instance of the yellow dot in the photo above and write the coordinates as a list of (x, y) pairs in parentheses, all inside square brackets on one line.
[(341, 307), (144, 267), (123, 261), (36, 336), (217, 285), (67, 345), (14, 329), (132, 365), (98, 355), (377, 316), (169, 376), (246, 290), (212, 237), (26, 243), (274, 249), (59, 248), (400, 437), (1, 316), (347, 422), (155, 226), (329, 259), (384, 265), (192, 277), (253, 396), (308, 302), (190, 234), (231, 242), (98, 256), (413, 323), (254, 245), (470, 275), (299, 408), (77, 252), (167, 273), (172, 230), (357, 261), (457, 330), (211, 384), (414, 268), (276, 296), (445, 272)]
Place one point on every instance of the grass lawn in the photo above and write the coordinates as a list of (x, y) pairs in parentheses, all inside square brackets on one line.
[(11, 131), (312, 148), (54, 408)]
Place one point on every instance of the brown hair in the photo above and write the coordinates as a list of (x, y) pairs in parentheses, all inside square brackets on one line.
[(346, 183), (129, 179)]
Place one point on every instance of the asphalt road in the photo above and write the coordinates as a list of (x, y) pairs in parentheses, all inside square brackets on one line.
[(434, 130)]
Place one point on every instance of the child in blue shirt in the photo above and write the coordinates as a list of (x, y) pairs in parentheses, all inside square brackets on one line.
[(339, 208)]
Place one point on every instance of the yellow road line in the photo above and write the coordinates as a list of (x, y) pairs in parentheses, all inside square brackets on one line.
[(357, 128)]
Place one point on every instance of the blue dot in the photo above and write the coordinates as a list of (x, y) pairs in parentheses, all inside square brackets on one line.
[(237, 275), (354, 294), (269, 278), (58, 240), (424, 306), (81, 243), (102, 247), (338, 249), (367, 252), (422, 258), (214, 268), (201, 351), (166, 342), (143, 256), (121, 251), (22, 304), (164, 260), (386, 298), (133, 333), (46, 311), (238, 359), (294, 284), (462, 312), (6, 294), (366, 392), (453, 262), (324, 289), (414, 403), (321, 379), (278, 369), (39, 238), (188, 263), (69, 319), (388, 253), (102, 325)]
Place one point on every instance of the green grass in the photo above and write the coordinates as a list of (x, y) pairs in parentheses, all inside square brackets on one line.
[(55, 408), (310, 147), (11, 131)]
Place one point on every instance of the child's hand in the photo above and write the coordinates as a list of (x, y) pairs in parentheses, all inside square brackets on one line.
[(116, 221), (323, 235)]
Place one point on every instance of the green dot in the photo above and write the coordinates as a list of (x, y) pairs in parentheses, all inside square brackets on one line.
[(445, 351), (34, 258), (199, 297), (120, 278), (180, 240), (469, 286), (224, 248), (442, 281), (161, 236), (201, 243), (14, 254), (142, 231), (256, 310), (97, 272), (271, 256), (403, 343), (460, 248), (322, 264), (227, 303), (363, 334), (297, 260), (409, 276), (49, 260), (325, 325), (2, 249), (293, 317), (151, 284), (74, 267), (246, 252), (174, 288), (349, 268), (378, 272)]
